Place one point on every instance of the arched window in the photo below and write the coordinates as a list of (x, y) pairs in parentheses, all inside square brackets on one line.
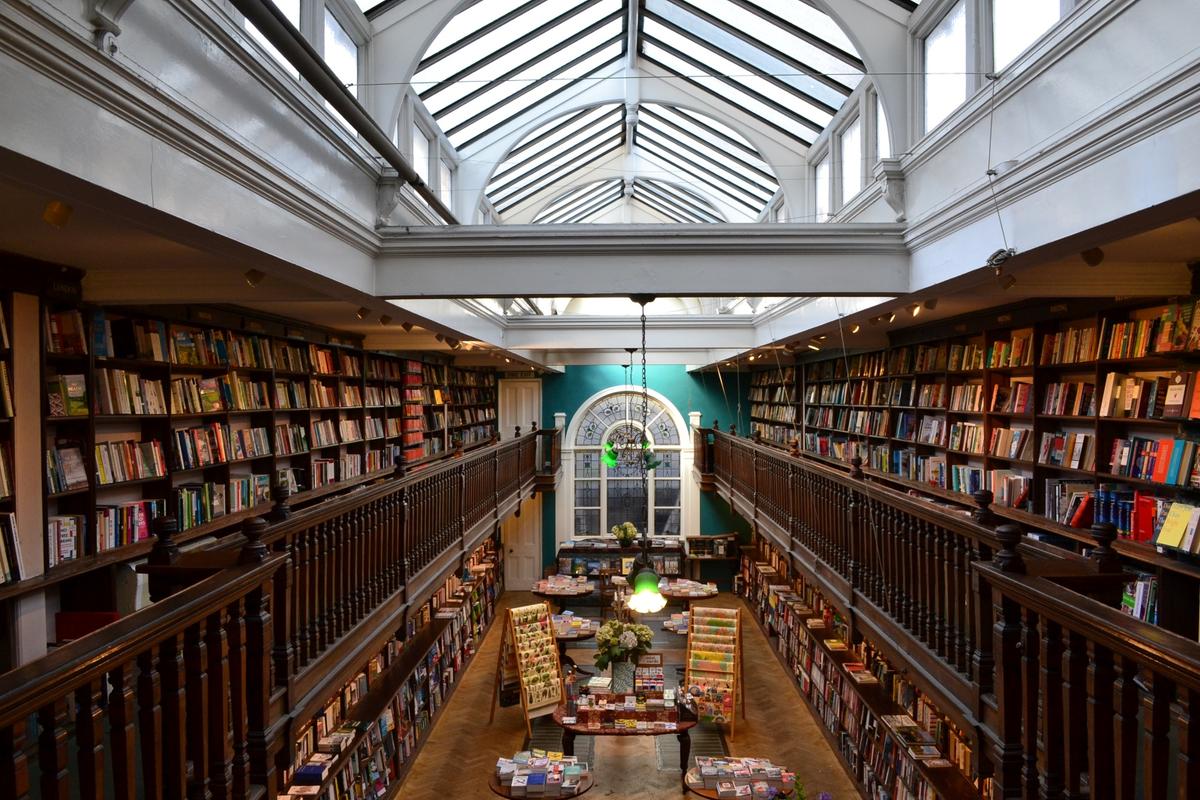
[(607, 496)]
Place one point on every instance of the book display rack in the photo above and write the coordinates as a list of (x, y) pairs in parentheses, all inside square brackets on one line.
[(1070, 414), (603, 554), (891, 736), (713, 665), (529, 651), (362, 741)]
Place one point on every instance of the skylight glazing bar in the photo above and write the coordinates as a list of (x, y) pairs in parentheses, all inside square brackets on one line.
[(666, 209), (653, 150), (661, 211), (539, 136), (734, 183), (686, 196), (511, 170), (495, 25), (575, 200), (600, 205), (742, 67), (849, 59), (794, 63), (733, 168), (702, 128), (582, 163), (518, 183), (666, 193)]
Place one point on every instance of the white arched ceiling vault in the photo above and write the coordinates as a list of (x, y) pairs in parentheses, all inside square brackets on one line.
[(876, 29)]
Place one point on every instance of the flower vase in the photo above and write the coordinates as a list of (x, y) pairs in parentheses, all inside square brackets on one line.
[(622, 677)]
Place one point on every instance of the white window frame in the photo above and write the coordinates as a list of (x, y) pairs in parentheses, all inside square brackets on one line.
[(816, 160), (843, 126), (979, 57)]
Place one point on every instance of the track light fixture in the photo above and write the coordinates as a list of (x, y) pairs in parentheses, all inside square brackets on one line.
[(931, 304), (253, 277), (362, 312), (384, 319), (751, 357), (813, 346), (56, 213), (1092, 256), (507, 360), (890, 317), (914, 309), (407, 326), (855, 328)]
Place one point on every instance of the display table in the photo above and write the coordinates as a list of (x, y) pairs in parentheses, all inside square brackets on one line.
[(690, 780), (681, 732), (498, 788), (755, 771), (556, 590), (687, 591), (565, 637)]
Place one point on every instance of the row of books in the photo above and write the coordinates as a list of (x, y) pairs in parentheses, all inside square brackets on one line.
[(120, 461), (217, 443), (775, 413), (772, 394), (872, 423), (10, 541)]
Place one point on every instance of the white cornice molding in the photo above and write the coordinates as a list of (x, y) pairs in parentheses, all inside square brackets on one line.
[(689, 322), (1154, 107), (120, 87)]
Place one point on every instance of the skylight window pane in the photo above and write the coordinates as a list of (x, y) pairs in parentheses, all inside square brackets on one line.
[(420, 153), (674, 165), (739, 146), (545, 164), (341, 53), (479, 15), (545, 147), (529, 100), (575, 199), (883, 142), (546, 52), (291, 10), (727, 165), (852, 165), (810, 19), (555, 58), (713, 163), (723, 91), (823, 186), (577, 162), (564, 161), (1016, 24), (946, 66)]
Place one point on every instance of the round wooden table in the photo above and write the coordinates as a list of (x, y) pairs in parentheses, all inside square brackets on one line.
[(681, 732), (494, 784), (559, 596), (574, 636), (711, 794), (688, 597)]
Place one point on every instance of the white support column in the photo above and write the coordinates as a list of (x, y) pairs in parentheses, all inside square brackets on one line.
[(564, 496), (690, 524)]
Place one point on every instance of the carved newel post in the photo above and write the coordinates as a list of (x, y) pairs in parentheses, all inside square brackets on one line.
[(794, 447), (1007, 559), (164, 553), (281, 493), (254, 550), (983, 515), (732, 429), (1107, 560), (856, 467)]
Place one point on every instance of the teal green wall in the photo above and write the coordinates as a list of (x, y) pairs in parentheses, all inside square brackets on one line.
[(714, 396)]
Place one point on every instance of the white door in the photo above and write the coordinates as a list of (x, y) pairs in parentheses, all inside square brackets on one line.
[(522, 540), (520, 404)]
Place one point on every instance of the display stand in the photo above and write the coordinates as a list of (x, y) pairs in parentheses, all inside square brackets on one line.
[(714, 664), (528, 651)]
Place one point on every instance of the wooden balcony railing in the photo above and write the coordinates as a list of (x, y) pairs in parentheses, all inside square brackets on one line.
[(899, 566), (1089, 701), (230, 655)]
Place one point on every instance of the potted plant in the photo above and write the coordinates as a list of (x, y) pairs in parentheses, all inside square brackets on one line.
[(621, 644), (626, 532)]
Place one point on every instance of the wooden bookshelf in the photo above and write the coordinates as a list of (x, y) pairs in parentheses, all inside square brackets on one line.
[(905, 410), (773, 411)]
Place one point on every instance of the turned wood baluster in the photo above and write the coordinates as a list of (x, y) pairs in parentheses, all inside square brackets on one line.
[(1189, 742), (1007, 750), (377, 559), (325, 598), (312, 591), (195, 661), (174, 719), (89, 736), (341, 553), (1053, 732), (875, 548), (52, 749), (284, 640), (1074, 698), (924, 576), (150, 725), (944, 610), (240, 758), (909, 595), (1125, 728), (1030, 687), (14, 775), (123, 732), (298, 593), (258, 684), (405, 534), (963, 610), (1099, 732), (1156, 743)]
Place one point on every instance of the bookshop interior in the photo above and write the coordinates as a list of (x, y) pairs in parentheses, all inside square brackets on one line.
[(376, 419)]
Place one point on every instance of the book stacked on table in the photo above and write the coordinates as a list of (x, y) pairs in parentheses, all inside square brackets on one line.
[(541, 773), (740, 777)]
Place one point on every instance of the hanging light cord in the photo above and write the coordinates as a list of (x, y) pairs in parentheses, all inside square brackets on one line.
[(645, 442)]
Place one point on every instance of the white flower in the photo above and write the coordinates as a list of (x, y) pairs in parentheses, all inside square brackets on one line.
[(628, 640)]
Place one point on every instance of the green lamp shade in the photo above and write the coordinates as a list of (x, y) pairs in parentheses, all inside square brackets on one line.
[(646, 597), (608, 456)]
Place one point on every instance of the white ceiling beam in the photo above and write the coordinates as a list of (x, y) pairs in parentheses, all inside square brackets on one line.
[(612, 260)]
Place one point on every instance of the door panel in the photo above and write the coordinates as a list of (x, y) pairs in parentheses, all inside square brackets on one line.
[(522, 539)]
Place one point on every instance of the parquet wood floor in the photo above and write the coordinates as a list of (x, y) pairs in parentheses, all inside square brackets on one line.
[(463, 747)]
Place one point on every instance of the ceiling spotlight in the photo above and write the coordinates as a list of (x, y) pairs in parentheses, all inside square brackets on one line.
[(931, 303), (751, 357), (1092, 256), (822, 337), (855, 328), (439, 337), (454, 344), (814, 346), (362, 312), (890, 317), (253, 277), (56, 213), (507, 361), (1007, 281), (384, 319), (914, 309), (408, 326)]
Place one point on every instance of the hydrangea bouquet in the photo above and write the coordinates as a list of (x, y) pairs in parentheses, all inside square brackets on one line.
[(626, 532), (620, 641)]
